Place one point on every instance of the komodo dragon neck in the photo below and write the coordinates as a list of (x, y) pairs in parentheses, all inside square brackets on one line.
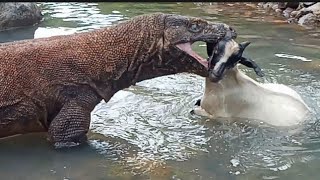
[(132, 51)]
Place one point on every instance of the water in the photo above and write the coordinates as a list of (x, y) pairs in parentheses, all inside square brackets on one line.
[(147, 132)]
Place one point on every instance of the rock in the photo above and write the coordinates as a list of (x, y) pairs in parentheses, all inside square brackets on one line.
[(282, 5), (267, 5), (275, 6), (307, 4), (260, 4), (314, 9), (303, 13), (309, 20), (279, 11), (294, 13), (285, 5), (293, 5), (292, 20), (287, 12), (14, 15)]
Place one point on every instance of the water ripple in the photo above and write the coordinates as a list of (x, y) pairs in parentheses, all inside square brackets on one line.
[(148, 125)]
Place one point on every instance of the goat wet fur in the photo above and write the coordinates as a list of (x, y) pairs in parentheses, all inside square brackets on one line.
[(233, 94)]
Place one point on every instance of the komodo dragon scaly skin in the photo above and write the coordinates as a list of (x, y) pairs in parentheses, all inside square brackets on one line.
[(52, 84)]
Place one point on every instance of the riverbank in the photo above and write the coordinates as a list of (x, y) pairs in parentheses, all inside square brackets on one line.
[(303, 13)]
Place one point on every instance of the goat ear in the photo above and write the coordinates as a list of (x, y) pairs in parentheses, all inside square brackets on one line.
[(251, 64), (244, 45)]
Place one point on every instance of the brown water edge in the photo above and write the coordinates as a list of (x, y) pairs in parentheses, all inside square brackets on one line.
[(250, 10), (246, 11)]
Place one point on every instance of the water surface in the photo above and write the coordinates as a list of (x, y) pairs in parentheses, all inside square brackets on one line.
[(147, 132)]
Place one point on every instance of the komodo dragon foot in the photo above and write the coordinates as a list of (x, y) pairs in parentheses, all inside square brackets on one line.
[(70, 126)]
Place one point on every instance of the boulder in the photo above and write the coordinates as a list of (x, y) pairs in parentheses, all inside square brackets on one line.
[(309, 20), (309, 16), (315, 8), (16, 14)]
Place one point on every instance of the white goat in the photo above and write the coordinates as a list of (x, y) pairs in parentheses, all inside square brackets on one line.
[(238, 96)]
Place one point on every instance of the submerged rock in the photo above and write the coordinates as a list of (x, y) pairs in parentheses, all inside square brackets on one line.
[(14, 15)]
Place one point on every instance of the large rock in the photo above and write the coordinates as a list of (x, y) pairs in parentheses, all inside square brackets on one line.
[(309, 16), (309, 20), (14, 15)]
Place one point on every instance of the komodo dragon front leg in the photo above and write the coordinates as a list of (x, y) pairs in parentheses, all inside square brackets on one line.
[(71, 124)]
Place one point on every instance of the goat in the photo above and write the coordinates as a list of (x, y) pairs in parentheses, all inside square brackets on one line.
[(238, 96)]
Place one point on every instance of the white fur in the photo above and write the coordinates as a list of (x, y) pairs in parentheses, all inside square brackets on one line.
[(239, 96)]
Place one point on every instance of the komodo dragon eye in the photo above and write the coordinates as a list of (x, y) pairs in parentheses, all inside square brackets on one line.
[(195, 27)]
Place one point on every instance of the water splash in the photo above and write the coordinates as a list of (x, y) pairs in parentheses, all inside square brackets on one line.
[(293, 57)]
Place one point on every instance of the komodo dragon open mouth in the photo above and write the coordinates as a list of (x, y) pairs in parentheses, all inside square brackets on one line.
[(186, 47)]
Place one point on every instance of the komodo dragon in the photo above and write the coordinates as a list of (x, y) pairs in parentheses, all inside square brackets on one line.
[(52, 84)]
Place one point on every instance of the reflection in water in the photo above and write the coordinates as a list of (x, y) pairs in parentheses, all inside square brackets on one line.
[(146, 131), (293, 57)]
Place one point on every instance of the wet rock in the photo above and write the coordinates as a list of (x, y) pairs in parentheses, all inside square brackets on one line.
[(307, 4), (292, 20), (14, 15), (287, 12), (303, 13), (267, 5), (285, 5), (309, 20), (294, 14), (293, 5), (314, 9), (279, 11), (282, 5), (275, 6)]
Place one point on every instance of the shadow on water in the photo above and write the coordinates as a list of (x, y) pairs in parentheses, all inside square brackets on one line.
[(18, 34), (147, 132)]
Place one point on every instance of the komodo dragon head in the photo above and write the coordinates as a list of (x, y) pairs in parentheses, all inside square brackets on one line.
[(164, 43), (181, 32)]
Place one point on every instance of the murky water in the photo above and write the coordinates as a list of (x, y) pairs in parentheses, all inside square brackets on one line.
[(147, 132)]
